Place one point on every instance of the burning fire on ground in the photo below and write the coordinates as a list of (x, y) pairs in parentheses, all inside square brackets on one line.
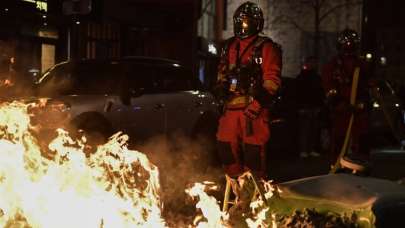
[(113, 187)]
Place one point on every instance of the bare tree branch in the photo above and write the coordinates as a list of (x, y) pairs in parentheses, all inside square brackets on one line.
[(331, 10), (300, 4), (306, 2), (315, 4), (287, 19), (321, 3)]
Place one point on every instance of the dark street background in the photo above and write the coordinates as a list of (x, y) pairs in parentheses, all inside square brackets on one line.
[(35, 35), (290, 168)]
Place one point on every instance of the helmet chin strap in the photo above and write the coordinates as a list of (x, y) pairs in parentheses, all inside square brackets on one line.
[(247, 37)]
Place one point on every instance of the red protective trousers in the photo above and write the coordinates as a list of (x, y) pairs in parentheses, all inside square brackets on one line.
[(238, 151)]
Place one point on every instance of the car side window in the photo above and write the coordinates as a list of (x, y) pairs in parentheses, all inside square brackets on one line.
[(142, 77), (175, 79), (96, 78)]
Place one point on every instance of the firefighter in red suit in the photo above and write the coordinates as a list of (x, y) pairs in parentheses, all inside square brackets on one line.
[(248, 78), (337, 78)]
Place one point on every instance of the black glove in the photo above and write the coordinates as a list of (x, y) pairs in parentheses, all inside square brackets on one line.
[(266, 99)]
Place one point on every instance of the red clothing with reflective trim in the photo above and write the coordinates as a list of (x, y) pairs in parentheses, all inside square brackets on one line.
[(232, 124), (338, 74), (271, 65), (232, 130)]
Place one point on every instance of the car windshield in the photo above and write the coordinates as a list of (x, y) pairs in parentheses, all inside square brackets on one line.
[(161, 79), (81, 78), (55, 80), (97, 78), (107, 78)]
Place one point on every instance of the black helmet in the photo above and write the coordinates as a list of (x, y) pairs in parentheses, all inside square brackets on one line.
[(247, 20), (348, 41)]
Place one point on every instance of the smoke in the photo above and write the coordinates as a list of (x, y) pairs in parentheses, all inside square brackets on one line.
[(14, 85), (16, 82), (182, 161)]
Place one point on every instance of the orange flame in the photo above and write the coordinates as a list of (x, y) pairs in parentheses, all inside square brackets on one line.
[(115, 187), (208, 206)]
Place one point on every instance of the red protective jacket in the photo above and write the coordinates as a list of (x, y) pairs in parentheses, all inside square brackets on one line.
[(338, 73), (271, 65)]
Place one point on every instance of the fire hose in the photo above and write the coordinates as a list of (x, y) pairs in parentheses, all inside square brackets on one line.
[(353, 95)]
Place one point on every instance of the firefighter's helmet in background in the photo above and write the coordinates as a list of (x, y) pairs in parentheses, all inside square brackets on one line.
[(247, 20), (348, 41)]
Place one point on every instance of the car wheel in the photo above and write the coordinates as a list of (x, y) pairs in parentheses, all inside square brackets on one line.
[(94, 126)]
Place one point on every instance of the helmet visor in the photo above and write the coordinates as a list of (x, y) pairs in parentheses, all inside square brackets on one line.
[(244, 26), (348, 41)]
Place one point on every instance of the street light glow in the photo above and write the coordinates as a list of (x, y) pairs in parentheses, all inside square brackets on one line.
[(383, 60)]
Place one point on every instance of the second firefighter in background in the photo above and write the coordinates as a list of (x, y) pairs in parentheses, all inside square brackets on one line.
[(337, 78), (248, 78)]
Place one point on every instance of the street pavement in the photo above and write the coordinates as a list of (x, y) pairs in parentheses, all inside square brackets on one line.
[(293, 167)]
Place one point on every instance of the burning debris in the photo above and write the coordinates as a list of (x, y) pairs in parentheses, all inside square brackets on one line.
[(117, 187), (212, 216), (112, 187), (249, 207), (312, 218)]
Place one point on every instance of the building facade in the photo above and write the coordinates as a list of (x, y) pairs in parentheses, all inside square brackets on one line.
[(293, 24), (39, 33), (29, 37)]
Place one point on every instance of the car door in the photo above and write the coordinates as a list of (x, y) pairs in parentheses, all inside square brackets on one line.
[(185, 103), (93, 86), (84, 87), (140, 106)]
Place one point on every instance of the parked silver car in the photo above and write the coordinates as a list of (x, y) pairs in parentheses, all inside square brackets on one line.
[(140, 96)]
